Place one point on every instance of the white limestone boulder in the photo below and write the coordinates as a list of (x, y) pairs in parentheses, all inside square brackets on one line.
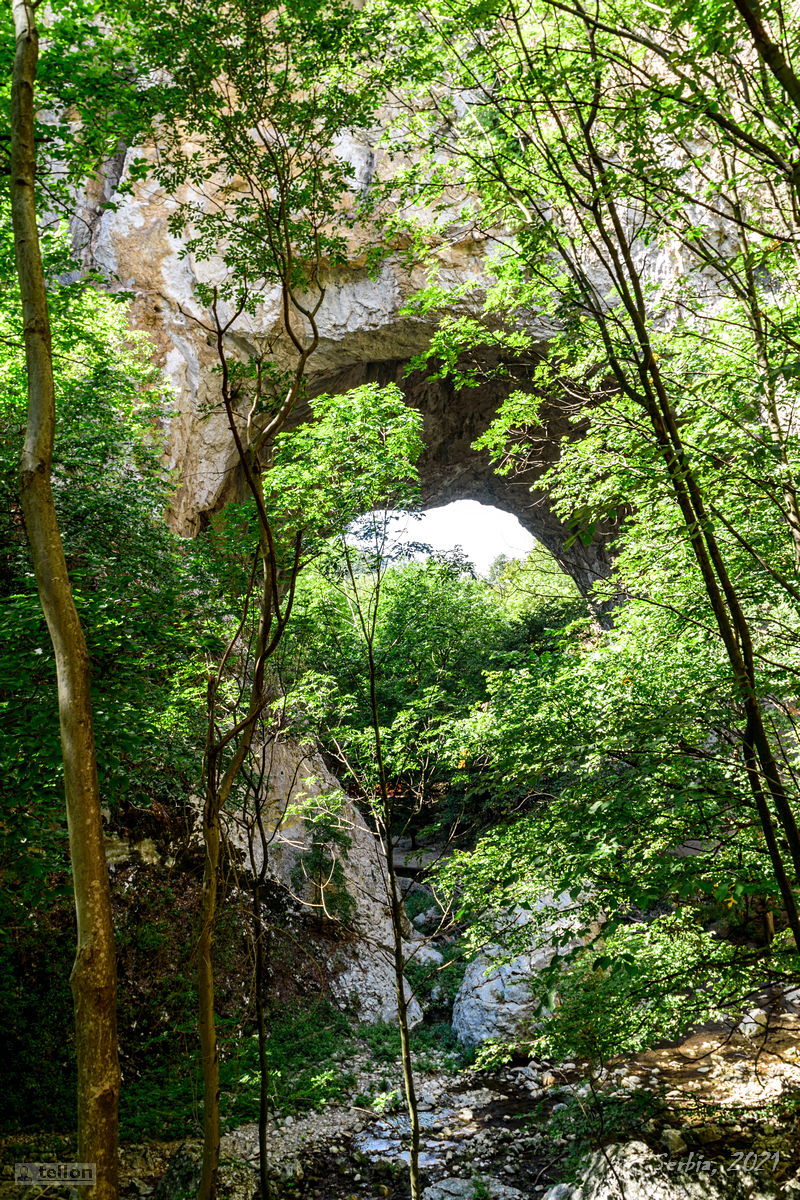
[(498, 998)]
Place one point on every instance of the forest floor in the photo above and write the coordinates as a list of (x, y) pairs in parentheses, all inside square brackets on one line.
[(719, 1097)]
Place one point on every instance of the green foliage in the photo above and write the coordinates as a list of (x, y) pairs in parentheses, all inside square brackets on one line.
[(308, 1053), (257, 178), (620, 753), (621, 757), (306, 1067), (162, 1102), (610, 763), (609, 747), (358, 452), (37, 1070), (600, 1120), (321, 864), (383, 1040), (647, 982), (437, 987), (624, 748), (89, 91), (386, 1102), (436, 1047), (150, 613), (416, 903), (432, 1045), (429, 673), (307, 1050), (144, 596)]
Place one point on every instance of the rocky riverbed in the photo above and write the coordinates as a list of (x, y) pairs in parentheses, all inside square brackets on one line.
[(711, 1119), (714, 1118)]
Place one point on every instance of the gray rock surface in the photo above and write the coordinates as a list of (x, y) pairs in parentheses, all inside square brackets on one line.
[(181, 1178), (468, 1189), (633, 1172), (299, 786), (497, 999)]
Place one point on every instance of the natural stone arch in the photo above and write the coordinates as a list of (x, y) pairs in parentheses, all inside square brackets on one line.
[(366, 334), (450, 469)]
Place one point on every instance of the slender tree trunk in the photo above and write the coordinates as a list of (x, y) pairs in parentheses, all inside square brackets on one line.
[(262, 960), (398, 956), (218, 790), (217, 793), (788, 482), (219, 786), (93, 978), (725, 601), (263, 946), (751, 299), (409, 1085), (207, 1028), (769, 51), (614, 250)]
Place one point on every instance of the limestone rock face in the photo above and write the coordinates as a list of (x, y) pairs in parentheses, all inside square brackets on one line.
[(182, 1177), (364, 334), (497, 1004), (354, 889), (498, 999)]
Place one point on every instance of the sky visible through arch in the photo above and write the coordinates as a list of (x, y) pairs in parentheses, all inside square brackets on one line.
[(481, 531)]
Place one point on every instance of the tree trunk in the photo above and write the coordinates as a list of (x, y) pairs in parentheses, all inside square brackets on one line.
[(218, 789), (654, 398), (93, 978), (207, 1028), (409, 1084), (262, 963), (769, 51), (398, 954)]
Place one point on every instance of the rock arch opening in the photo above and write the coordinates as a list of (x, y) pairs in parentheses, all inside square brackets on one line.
[(450, 469)]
